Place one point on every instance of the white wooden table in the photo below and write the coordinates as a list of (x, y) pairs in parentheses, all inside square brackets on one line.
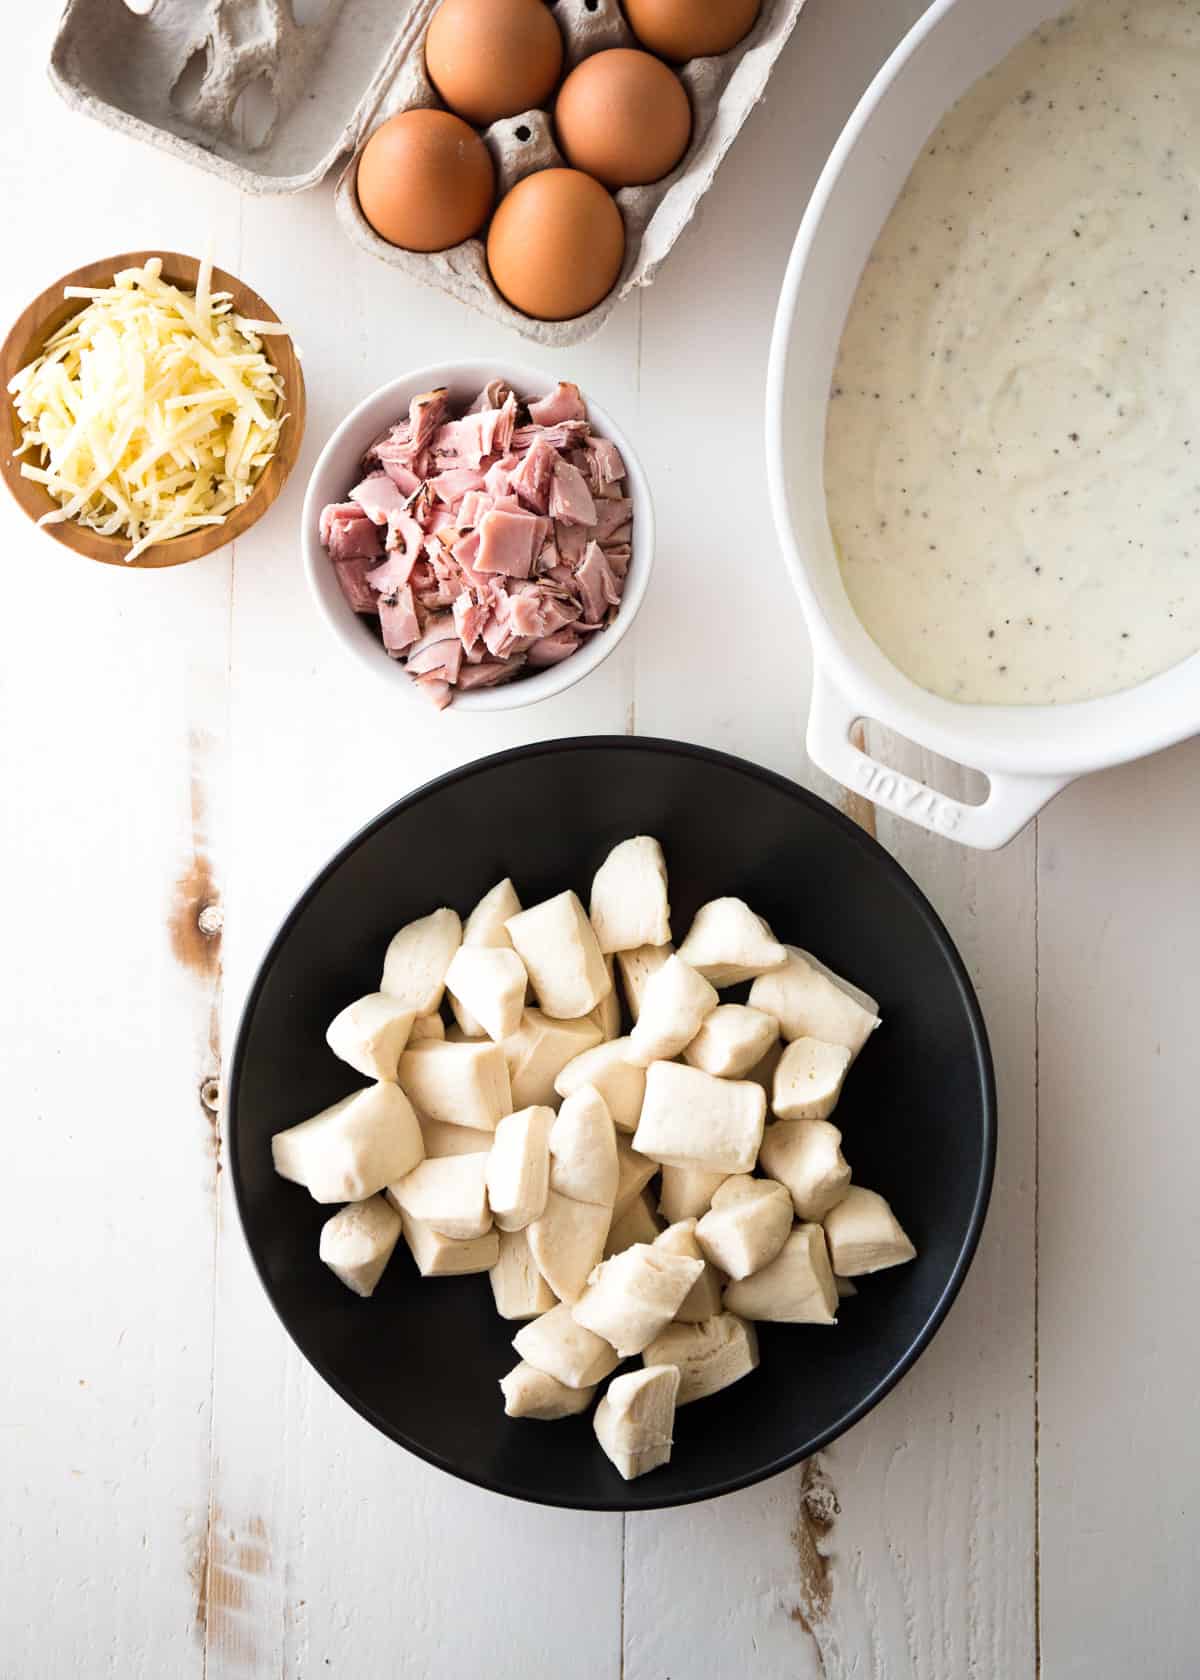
[(179, 1495)]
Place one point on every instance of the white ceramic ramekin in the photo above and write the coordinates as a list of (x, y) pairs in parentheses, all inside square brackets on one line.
[(1028, 753), (335, 473)]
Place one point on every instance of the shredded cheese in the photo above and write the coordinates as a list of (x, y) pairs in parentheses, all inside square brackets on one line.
[(152, 412)]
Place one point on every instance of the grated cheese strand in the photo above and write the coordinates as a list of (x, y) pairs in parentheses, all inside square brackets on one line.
[(152, 412)]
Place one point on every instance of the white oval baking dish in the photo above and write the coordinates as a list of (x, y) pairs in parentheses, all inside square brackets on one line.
[(1028, 753)]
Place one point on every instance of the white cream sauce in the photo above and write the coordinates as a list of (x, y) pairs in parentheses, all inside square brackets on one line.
[(1013, 445)]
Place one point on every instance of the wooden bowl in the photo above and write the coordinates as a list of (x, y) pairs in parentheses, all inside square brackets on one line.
[(47, 313)]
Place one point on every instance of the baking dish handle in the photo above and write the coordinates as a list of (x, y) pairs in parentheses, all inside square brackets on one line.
[(1012, 801)]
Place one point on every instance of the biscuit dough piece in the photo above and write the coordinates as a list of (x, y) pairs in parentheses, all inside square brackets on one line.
[(635, 1419)]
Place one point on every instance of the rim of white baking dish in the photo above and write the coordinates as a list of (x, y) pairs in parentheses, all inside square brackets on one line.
[(344, 623), (1021, 740)]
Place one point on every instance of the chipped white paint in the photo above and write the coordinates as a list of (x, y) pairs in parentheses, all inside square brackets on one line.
[(178, 1493)]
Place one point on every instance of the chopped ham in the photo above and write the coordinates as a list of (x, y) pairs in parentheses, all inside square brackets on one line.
[(508, 542), (379, 498), (598, 588), (425, 415), (532, 474), (570, 499), (472, 508), (477, 436), (440, 628), (490, 673), (552, 650), (353, 537), (453, 484), (607, 465), (470, 616), (483, 547), (567, 434), (353, 576), (398, 621), (557, 613), (498, 478), (618, 556), (525, 616), (435, 689), (337, 510), (466, 549), (611, 515), (394, 459), (565, 402), (494, 395), (570, 540), (394, 574), (442, 659)]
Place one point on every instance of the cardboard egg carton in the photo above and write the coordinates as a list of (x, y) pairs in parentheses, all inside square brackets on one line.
[(270, 94)]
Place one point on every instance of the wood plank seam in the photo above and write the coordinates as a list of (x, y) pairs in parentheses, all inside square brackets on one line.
[(1037, 1155)]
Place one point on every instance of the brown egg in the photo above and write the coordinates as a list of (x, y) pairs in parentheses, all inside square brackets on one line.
[(624, 117), (556, 244), (425, 181), (493, 58), (682, 29)]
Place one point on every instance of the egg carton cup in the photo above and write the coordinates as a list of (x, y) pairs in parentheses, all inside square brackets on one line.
[(270, 94)]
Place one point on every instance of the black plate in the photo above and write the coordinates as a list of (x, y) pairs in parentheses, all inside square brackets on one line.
[(421, 1360)]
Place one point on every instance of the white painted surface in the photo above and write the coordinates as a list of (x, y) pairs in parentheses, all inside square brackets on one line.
[(179, 1496)]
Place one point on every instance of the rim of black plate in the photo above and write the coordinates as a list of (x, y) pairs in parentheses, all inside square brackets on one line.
[(853, 835)]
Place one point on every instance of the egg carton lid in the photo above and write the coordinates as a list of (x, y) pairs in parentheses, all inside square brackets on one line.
[(269, 94)]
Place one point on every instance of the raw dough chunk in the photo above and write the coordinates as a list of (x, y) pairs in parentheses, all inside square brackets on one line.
[(519, 1288), (414, 969), (810, 1001), (427, 1027), (808, 1080), (530, 1393), (449, 1194), (635, 1224), (796, 1288), (556, 943), (442, 1139), (636, 969), (690, 1119), (806, 1156), (687, 1192), (607, 1013), (349, 1151), (370, 1034), (708, 1356), (732, 1040), (485, 925), (746, 1226), (634, 1172), (864, 1234), (439, 1256), (619, 1081), (629, 897), (518, 1168), (539, 1050), (463, 1084), (555, 1344), (487, 988), (357, 1243), (764, 1073), (583, 1150), (633, 1296), (728, 943), (704, 1297), (635, 1420), (567, 1241), (674, 1005)]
